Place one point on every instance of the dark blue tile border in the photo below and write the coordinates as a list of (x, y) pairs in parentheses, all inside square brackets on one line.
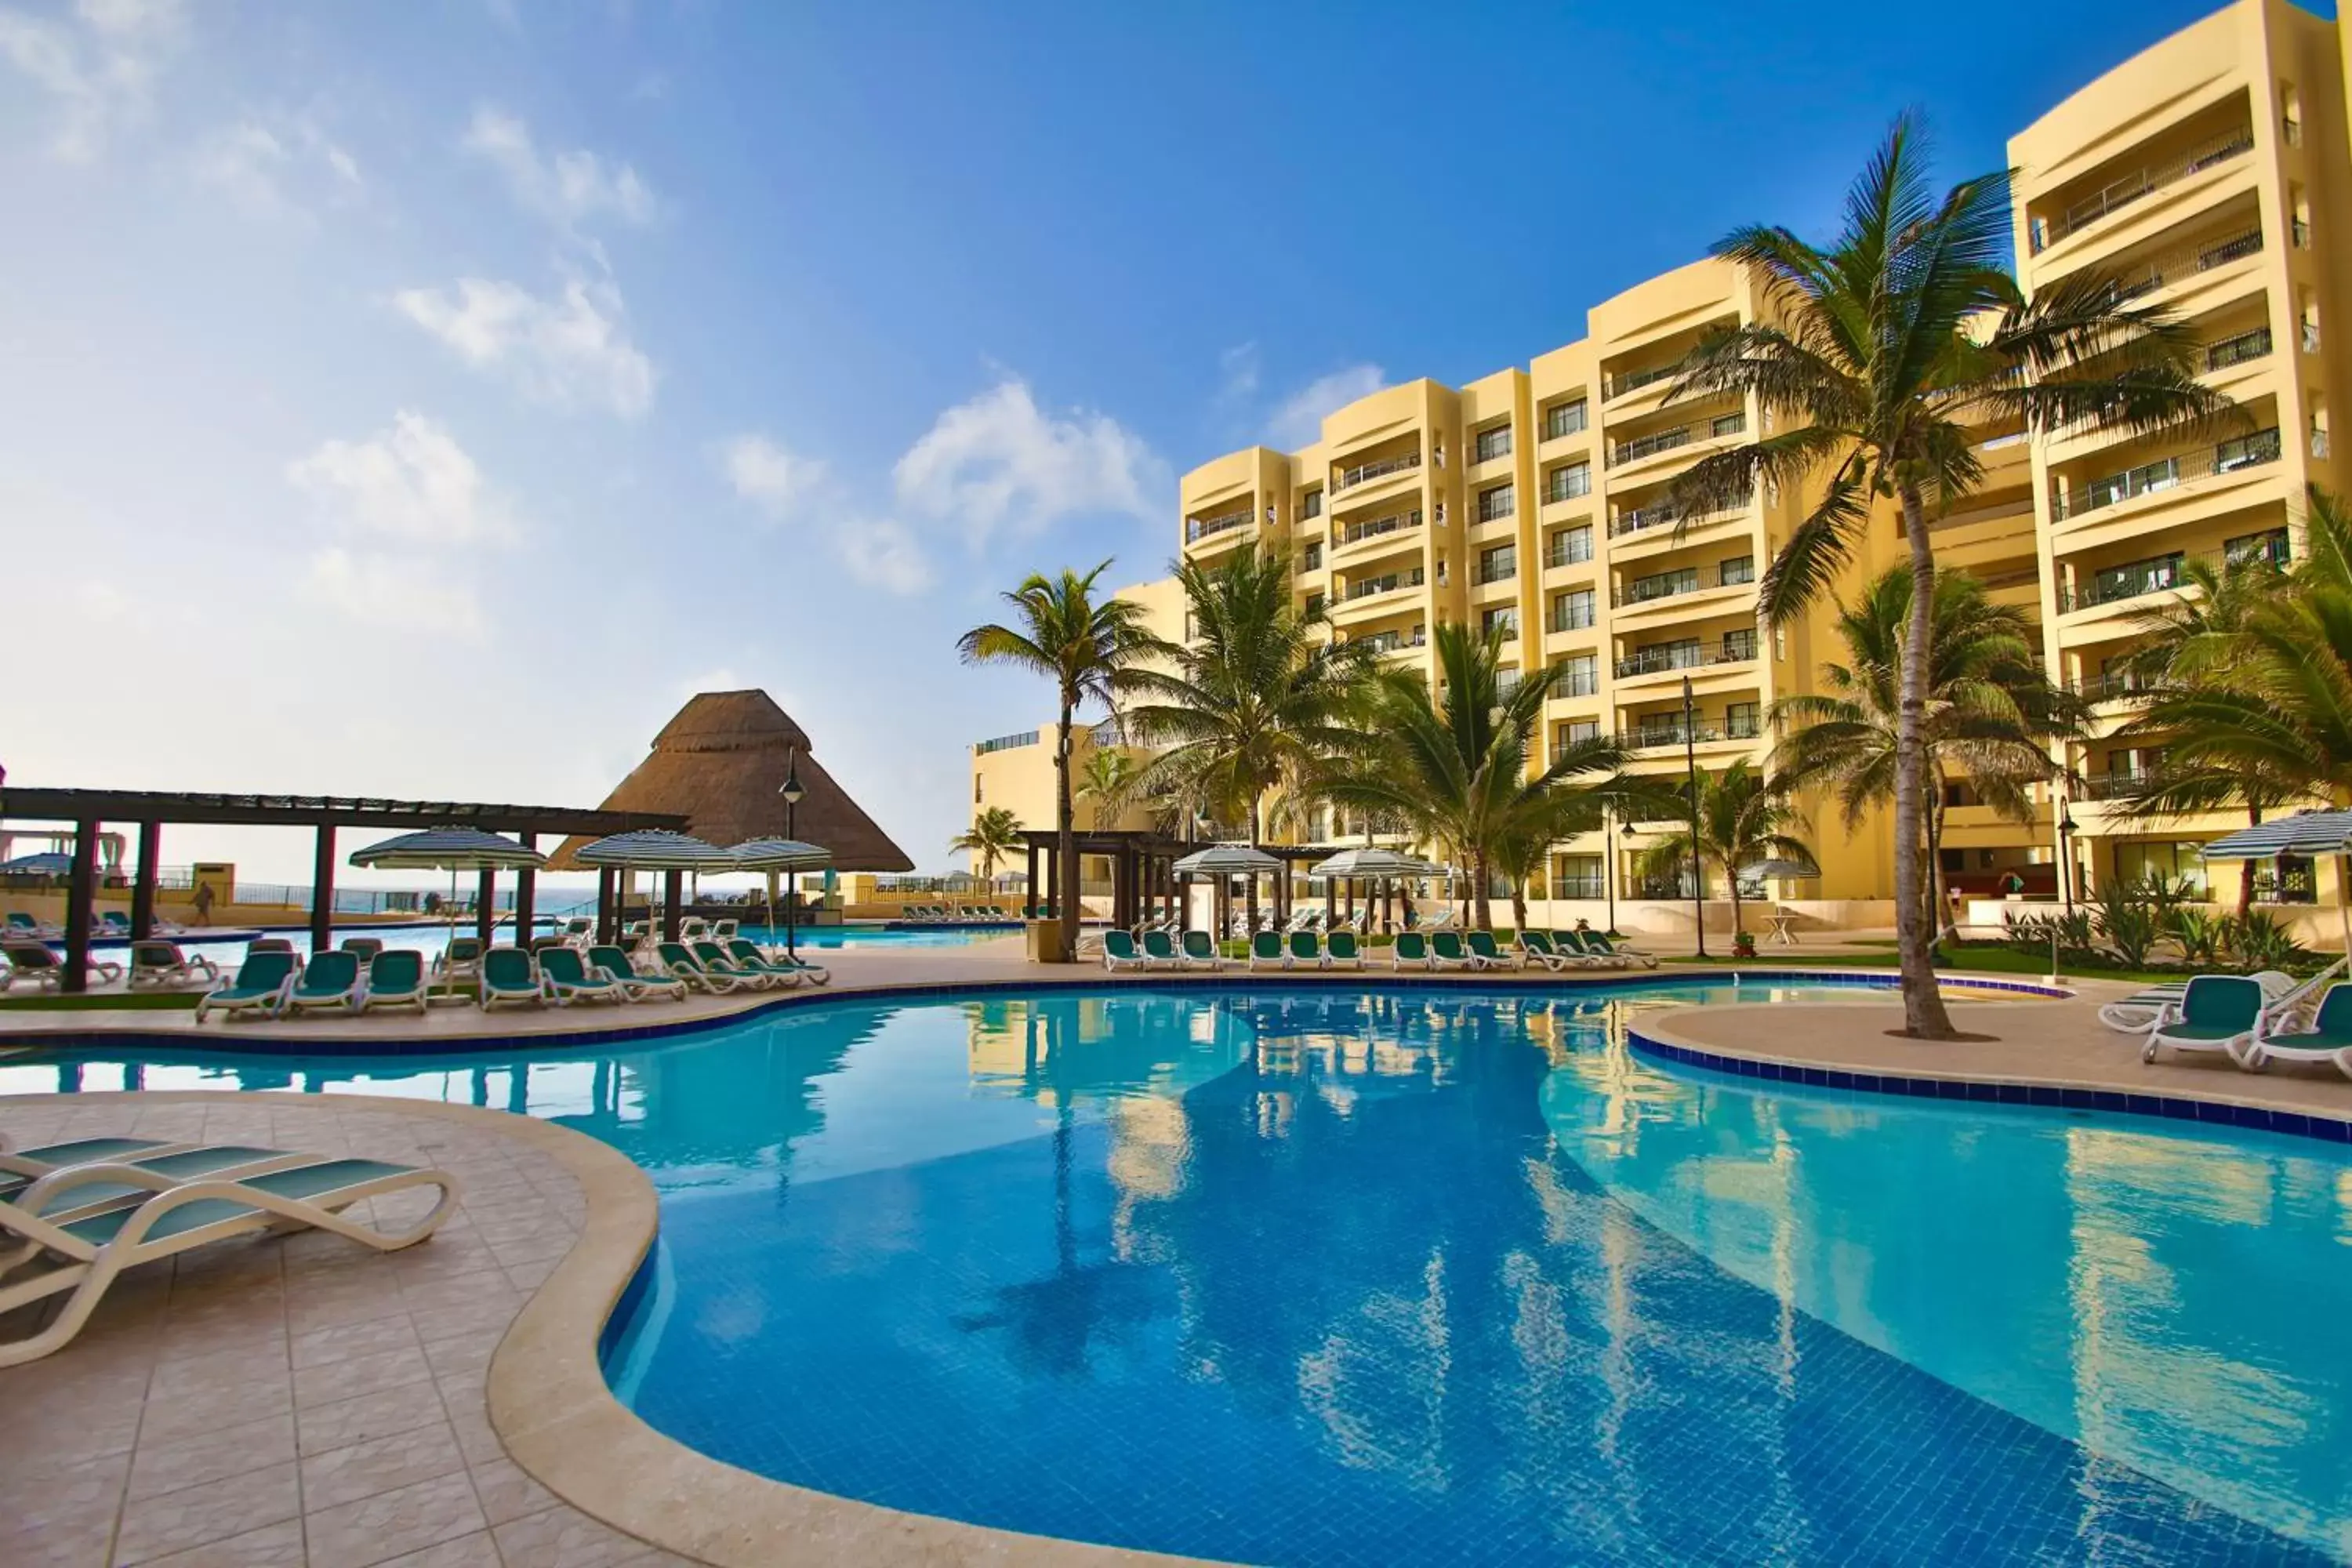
[(2298, 1124)]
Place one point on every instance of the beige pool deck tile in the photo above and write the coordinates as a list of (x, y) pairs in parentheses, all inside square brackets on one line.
[(329, 1381), (196, 1516), (395, 1523), (272, 1546), (375, 1464), (475, 1551), (382, 1412), (171, 1465)]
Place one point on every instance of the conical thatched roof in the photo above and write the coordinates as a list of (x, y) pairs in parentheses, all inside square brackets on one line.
[(720, 762)]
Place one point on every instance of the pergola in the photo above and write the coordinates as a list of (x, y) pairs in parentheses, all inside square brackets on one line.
[(1142, 868), (86, 809)]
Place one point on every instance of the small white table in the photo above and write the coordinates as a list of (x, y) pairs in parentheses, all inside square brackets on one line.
[(1781, 920)]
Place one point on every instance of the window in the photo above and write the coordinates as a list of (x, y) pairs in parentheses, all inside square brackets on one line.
[(975, 789), (1580, 676), (1315, 603), (1571, 611), (1738, 646), (1495, 502), (1569, 481), (2246, 549), (1571, 547), (1742, 720), (1495, 442), (1576, 730), (1662, 586), (1310, 504), (1564, 419), (1496, 564), (1738, 570), (1727, 424), (1503, 619), (1312, 561)]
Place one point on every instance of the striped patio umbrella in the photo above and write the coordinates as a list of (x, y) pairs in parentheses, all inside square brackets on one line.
[(787, 854), (654, 850), (451, 849), (2302, 833)]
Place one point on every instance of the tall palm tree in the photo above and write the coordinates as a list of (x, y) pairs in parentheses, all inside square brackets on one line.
[(1990, 716), (1522, 853), (1744, 815), (1875, 361), (1092, 651), (994, 834), (1454, 767), (1257, 705)]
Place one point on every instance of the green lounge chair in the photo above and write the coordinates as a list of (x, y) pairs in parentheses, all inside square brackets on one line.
[(714, 961), (1119, 951), (329, 979), (1536, 947), (1484, 953), (1445, 952), (614, 965), (1343, 952), (1305, 951), (364, 948), (1201, 950), (747, 956), (38, 964), (23, 925), (566, 979), (509, 975), (679, 962), (1265, 951), (1601, 946), (2329, 1038), (2216, 1012), (1412, 950), (785, 962), (460, 962), (80, 1257), (396, 978), (260, 986), (1577, 950), (157, 962), (114, 923), (1158, 947)]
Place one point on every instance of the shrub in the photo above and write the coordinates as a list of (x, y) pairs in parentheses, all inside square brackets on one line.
[(2203, 937), (2127, 918)]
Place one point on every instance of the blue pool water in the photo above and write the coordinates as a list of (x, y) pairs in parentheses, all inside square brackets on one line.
[(1434, 1276)]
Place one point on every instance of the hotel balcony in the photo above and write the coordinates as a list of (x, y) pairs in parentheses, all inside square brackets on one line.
[(1739, 724), (2183, 477), (1690, 656), (1377, 476), (1371, 597), (1656, 527), (1205, 535), (1364, 539), (2163, 573), (1633, 457), (2160, 170), (1689, 590)]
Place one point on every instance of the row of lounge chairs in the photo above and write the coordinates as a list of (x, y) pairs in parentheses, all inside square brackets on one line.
[(960, 914), (111, 924), (1475, 950), (74, 1216), (2253, 1023)]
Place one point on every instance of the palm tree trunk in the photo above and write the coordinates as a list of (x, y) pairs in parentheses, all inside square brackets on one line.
[(1936, 866), (1518, 903), (1066, 859), (2245, 867), (1731, 875), (1924, 1016), (1253, 881), (1482, 905)]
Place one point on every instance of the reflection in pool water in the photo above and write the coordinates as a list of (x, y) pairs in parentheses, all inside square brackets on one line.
[(1385, 1276)]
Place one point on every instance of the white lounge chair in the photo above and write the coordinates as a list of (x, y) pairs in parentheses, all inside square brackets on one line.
[(2216, 1013), (2137, 1013)]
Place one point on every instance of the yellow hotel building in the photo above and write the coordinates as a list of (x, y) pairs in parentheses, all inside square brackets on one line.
[(2213, 172)]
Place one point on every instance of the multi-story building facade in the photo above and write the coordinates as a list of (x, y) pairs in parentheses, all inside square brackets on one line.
[(2209, 173)]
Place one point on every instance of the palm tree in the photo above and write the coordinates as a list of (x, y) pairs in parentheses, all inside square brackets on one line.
[(1455, 768), (1259, 702), (1091, 652), (1107, 781), (1520, 855), (994, 834), (1990, 716), (1876, 362), (1743, 816)]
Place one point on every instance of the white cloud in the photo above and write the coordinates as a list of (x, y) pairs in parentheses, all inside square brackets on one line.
[(571, 352), (776, 481), (279, 170), (387, 590), (571, 188), (1299, 422), (885, 554), (999, 463), (412, 483), (1237, 374), (100, 68)]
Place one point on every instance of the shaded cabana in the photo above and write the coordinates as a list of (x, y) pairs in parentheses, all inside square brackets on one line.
[(86, 809), (717, 771), (1142, 869)]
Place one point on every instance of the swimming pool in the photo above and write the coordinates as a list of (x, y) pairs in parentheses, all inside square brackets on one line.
[(1393, 1275)]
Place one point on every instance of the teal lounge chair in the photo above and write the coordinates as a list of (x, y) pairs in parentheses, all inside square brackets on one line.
[(614, 965), (1445, 952), (23, 925), (1201, 950), (565, 978), (159, 963), (1305, 951), (396, 978), (1412, 951), (1342, 952), (2329, 1038), (1265, 951), (460, 964), (1536, 947), (1484, 953), (1119, 951), (2216, 1012), (329, 979), (114, 923), (715, 960), (1158, 947), (785, 959), (364, 948), (783, 973), (1601, 946), (1577, 948), (260, 986), (677, 961), (509, 975)]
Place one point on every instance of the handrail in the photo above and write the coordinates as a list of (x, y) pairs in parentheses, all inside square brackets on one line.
[(1639, 520), (2158, 574), (1626, 381), (2121, 192), (1658, 441), (1199, 527), (2187, 262), (1386, 582), (2245, 346), (2167, 473), (1394, 522), (1559, 552), (1738, 573), (1365, 473), (1005, 743), (1737, 647)]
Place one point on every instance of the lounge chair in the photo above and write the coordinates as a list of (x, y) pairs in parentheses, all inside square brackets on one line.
[(1412, 949), (1304, 951), (614, 965), (1536, 947), (723, 932), (2328, 1039), (813, 973), (271, 944), (114, 923), (1158, 948), (1201, 950), (749, 960), (1577, 948), (2137, 1013), (693, 929), (39, 962), (1119, 951), (83, 1255), (396, 978), (563, 977), (1601, 946), (1445, 952), (260, 986), (2216, 1012), (676, 959), (162, 964), (715, 960), (1483, 953), (23, 926), (1342, 952), (460, 964), (329, 979), (363, 948), (509, 974), (1265, 950)]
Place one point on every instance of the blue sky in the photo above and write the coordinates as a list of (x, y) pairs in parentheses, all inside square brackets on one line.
[(423, 399)]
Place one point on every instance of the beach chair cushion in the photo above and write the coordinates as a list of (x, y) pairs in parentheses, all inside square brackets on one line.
[(1158, 948), (1305, 948), (396, 971), (327, 977), (1343, 948), (507, 970)]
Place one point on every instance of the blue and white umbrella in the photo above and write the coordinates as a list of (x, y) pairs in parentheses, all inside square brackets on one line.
[(787, 854), (48, 863), (2299, 833), (450, 850), (654, 850)]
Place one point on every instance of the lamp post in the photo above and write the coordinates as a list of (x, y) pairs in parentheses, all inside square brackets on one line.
[(1698, 865), (2066, 854), (1608, 859), (792, 792)]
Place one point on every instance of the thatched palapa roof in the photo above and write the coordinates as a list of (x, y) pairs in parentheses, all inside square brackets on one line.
[(719, 763)]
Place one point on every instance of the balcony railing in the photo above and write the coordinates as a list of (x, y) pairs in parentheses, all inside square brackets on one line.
[(1365, 473), (1578, 678), (1571, 483), (1392, 642), (1395, 523), (1573, 548), (1640, 519), (1199, 527), (1649, 446), (2160, 574), (2110, 685), (2245, 346), (1645, 737), (1737, 647), (1006, 743), (1666, 585), (1577, 618), (1626, 381), (2186, 261), (2166, 473), (2117, 785), (1386, 582), (2124, 189), (1501, 570)]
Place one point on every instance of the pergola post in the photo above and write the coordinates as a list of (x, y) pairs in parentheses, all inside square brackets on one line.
[(673, 893), (485, 906), (322, 891), (608, 927), (526, 895), (1029, 885), (81, 889), (142, 881)]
